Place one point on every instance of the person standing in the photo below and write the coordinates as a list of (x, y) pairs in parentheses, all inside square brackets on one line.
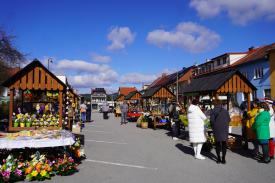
[(261, 127), (105, 110), (219, 120), (83, 109), (174, 110), (251, 136), (124, 111), (272, 131), (196, 129)]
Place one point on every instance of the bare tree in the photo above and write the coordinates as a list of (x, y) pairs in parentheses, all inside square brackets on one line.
[(9, 55)]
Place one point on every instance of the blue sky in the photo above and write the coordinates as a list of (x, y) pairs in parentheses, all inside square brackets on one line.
[(111, 43)]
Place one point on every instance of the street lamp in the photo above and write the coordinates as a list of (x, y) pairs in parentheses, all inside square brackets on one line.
[(50, 60)]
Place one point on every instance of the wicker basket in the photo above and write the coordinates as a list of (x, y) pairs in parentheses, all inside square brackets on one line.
[(144, 125)]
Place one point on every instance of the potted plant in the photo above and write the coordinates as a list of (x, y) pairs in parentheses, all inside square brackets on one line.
[(28, 123), (16, 123), (22, 121)]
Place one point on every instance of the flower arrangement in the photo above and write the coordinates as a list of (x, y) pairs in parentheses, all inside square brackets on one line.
[(65, 166), (11, 169), (39, 168), (77, 150)]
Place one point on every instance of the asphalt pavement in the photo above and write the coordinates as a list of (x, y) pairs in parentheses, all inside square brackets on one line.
[(127, 154)]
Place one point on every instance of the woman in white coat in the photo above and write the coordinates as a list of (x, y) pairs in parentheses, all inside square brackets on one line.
[(196, 128)]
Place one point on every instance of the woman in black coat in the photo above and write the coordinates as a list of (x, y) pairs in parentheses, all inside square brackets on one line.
[(219, 119)]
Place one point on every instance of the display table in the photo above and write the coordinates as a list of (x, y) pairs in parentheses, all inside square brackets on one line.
[(37, 139)]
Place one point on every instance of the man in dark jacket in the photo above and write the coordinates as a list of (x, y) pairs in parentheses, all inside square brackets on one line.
[(219, 119)]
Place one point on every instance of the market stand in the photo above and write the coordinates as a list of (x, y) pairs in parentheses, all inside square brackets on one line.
[(50, 147), (219, 83), (135, 105), (35, 77), (159, 95)]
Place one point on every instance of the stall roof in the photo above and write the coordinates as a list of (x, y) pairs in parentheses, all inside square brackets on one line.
[(158, 92), (222, 82), (133, 94), (119, 98), (34, 76)]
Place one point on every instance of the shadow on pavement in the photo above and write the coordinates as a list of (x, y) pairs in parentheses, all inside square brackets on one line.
[(189, 150), (185, 149)]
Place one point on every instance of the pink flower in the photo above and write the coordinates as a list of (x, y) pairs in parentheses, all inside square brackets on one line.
[(18, 172), (6, 174)]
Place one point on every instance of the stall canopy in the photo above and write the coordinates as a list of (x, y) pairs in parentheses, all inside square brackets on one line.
[(35, 76), (231, 81), (158, 92), (135, 95)]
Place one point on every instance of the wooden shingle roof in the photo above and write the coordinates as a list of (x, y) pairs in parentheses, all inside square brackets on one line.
[(213, 82)]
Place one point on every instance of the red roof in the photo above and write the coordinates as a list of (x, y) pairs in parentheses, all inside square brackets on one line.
[(159, 81), (255, 54), (126, 90)]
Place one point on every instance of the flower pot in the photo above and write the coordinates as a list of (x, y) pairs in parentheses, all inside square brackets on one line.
[(144, 125), (28, 124), (22, 125), (15, 124)]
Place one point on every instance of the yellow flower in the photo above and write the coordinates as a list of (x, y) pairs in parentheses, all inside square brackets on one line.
[(43, 173), (34, 173)]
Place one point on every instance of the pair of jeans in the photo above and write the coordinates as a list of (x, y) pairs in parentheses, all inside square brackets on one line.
[(83, 116), (123, 117)]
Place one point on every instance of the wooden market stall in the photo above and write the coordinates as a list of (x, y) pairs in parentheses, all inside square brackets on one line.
[(35, 77), (225, 83), (219, 83), (133, 98), (161, 95)]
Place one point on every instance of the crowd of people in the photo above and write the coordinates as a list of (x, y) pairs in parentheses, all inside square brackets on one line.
[(258, 123)]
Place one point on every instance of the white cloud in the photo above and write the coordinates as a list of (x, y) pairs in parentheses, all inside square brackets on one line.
[(120, 37), (239, 11), (81, 66), (137, 78), (93, 80), (187, 35), (83, 74), (100, 58)]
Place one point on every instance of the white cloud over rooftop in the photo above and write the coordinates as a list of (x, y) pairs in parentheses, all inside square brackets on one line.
[(189, 36)]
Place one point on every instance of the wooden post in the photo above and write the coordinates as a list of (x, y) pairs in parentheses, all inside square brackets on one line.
[(60, 107), (11, 108), (227, 104)]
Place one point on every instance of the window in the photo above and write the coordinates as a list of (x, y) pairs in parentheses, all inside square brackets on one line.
[(224, 60), (267, 93), (258, 73), (218, 62)]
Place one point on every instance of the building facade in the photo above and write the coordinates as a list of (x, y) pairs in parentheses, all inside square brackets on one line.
[(98, 97)]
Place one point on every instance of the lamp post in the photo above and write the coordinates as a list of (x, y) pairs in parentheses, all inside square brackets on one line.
[(50, 60)]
